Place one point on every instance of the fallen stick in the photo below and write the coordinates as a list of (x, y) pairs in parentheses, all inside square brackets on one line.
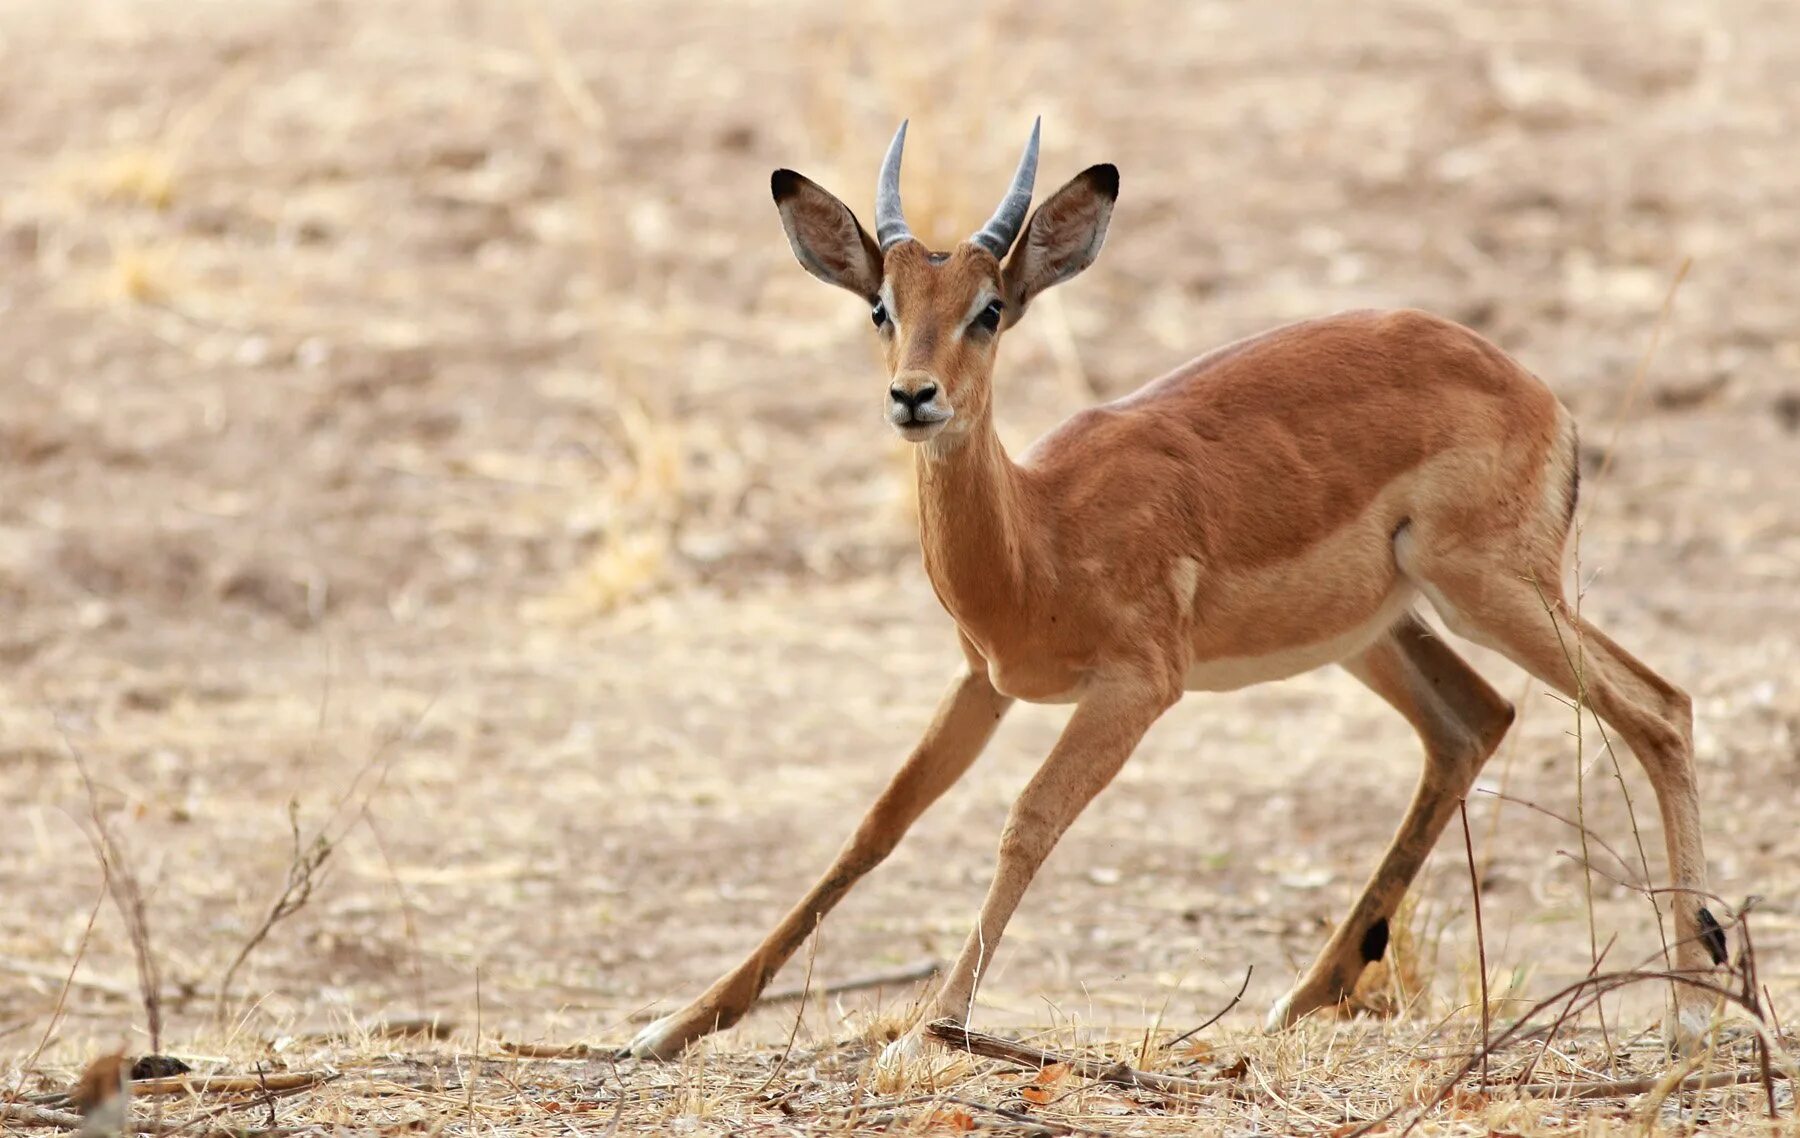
[(403, 1027), (282, 1084), (62, 1120), (1216, 1016), (920, 970), (1036, 1122), (553, 1050), (1019, 1055), (1619, 1088), (230, 1084)]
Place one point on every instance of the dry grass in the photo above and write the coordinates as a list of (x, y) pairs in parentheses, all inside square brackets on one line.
[(449, 356), (1322, 1078)]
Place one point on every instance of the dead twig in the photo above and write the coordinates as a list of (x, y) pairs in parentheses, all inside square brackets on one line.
[(1596, 986), (1643, 369), (1020, 1055), (1753, 995), (1216, 1016), (231, 1084), (128, 897), (883, 1110), (1568, 1010), (920, 970), (399, 1027), (553, 1050), (1619, 1088), (307, 860), (408, 913), (799, 1014), (1481, 940), (68, 981), (38, 1116)]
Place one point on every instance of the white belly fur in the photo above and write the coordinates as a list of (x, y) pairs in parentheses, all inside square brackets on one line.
[(1228, 673)]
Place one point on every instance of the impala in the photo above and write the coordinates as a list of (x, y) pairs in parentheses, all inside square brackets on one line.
[(1279, 504)]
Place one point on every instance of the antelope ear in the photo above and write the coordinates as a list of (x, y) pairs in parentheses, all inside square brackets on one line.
[(1062, 238), (828, 240)]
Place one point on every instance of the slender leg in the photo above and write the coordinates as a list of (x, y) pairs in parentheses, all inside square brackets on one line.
[(1460, 720), (1102, 733), (965, 721), (1534, 626)]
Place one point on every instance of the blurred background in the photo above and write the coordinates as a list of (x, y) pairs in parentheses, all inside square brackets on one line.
[(411, 416)]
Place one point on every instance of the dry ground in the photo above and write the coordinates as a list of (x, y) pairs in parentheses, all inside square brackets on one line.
[(412, 413)]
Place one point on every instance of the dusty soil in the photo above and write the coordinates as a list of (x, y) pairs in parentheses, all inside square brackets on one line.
[(412, 413)]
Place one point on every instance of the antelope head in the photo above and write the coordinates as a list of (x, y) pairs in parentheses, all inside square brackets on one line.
[(940, 315)]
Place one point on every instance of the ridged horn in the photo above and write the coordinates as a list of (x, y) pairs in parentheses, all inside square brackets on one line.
[(998, 235), (890, 221)]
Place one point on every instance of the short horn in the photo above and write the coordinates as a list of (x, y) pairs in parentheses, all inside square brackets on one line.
[(998, 235), (890, 221)]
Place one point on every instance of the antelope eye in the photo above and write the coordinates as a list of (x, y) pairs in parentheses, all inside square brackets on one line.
[(989, 317), (879, 314)]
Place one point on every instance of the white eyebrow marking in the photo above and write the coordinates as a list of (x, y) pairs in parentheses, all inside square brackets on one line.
[(886, 296), (983, 297)]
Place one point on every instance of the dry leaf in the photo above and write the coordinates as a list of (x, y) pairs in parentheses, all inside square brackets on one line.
[(1197, 1050), (958, 1120), (1043, 1084), (1099, 1102)]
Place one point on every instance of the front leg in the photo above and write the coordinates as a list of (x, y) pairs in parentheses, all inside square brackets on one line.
[(1101, 734), (965, 720)]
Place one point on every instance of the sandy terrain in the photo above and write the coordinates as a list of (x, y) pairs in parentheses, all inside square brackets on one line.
[(412, 413)]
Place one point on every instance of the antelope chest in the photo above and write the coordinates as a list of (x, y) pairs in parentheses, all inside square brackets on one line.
[(1031, 673)]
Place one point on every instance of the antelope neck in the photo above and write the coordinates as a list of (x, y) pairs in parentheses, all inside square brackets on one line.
[(971, 498)]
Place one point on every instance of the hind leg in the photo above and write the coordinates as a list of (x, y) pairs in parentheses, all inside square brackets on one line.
[(1527, 619), (1460, 720)]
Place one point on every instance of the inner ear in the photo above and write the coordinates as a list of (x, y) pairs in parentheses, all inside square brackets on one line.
[(1062, 238), (827, 239)]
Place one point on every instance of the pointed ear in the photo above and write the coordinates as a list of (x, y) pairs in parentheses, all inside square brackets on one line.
[(830, 243), (1062, 238)]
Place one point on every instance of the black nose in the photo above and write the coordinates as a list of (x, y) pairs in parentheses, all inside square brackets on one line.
[(918, 398)]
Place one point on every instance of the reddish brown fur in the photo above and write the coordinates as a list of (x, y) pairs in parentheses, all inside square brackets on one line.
[(1268, 508)]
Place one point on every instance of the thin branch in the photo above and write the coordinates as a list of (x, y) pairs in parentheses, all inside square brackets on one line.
[(62, 995), (1031, 1058), (920, 970), (1753, 993), (812, 954), (1602, 984), (308, 857), (1480, 938), (127, 895), (304, 869), (1568, 1010), (38, 1116), (1619, 1088), (1573, 825), (1643, 369), (856, 1110), (1217, 1016)]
